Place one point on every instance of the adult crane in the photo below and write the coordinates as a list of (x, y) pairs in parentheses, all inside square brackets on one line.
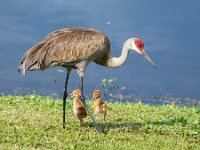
[(75, 48)]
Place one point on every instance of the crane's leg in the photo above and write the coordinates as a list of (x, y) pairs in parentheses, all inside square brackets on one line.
[(86, 107), (65, 96)]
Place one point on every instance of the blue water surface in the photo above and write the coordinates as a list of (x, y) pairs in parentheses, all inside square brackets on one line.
[(170, 30)]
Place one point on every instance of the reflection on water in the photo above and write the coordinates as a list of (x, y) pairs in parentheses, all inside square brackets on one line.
[(170, 32)]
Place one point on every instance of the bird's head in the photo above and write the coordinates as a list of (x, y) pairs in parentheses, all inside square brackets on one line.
[(96, 94), (137, 45), (75, 93)]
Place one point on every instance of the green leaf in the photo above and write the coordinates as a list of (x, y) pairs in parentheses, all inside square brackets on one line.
[(110, 80), (103, 80)]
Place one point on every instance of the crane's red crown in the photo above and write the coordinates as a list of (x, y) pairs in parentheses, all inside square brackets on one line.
[(139, 44)]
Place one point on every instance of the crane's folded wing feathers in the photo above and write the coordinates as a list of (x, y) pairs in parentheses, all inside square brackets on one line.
[(66, 47)]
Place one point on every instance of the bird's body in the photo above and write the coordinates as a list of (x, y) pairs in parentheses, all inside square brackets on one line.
[(99, 106), (75, 48), (78, 108), (69, 48)]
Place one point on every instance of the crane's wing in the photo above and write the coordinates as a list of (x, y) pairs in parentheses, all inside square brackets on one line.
[(64, 47)]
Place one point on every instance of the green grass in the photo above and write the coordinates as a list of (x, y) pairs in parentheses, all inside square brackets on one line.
[(34, 122)]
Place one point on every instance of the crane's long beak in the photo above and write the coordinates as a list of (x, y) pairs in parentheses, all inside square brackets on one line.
[(148, 58)]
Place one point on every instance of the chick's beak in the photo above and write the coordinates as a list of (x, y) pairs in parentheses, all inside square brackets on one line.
[(148, 58), (71, 95)]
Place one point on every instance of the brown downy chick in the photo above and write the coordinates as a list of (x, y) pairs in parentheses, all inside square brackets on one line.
[(99, 106), (79, 109)]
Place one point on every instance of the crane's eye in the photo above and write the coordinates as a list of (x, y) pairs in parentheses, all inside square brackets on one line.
[(139, 44)]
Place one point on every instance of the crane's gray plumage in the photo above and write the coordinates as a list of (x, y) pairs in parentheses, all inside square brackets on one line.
[(67, 47)]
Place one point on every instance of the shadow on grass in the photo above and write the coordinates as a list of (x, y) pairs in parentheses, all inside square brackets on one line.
[(134, 126)]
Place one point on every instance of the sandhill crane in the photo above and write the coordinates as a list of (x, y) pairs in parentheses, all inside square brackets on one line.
[(75, 48)]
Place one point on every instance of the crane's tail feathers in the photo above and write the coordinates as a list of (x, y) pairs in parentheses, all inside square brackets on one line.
[(27, 65), (22, 69), (32, 59)]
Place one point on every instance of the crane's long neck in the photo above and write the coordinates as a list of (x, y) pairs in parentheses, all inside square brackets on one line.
[(119, 61)]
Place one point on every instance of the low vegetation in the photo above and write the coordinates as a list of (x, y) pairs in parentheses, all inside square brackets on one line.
[(32, 122)]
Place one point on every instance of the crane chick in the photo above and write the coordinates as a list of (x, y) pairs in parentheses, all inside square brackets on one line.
[(79, 109), (99, 106)]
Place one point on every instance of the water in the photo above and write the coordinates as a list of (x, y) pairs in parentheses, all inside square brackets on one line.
[(169, 29)]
